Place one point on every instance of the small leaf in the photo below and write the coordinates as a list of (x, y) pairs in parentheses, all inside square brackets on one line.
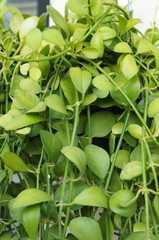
[(23, 120), (143, 47), (14, 162), (102, 82), (117, 128), (139, 226), (80, 7), (156, 204), (122, 47), (122, 159), (58, 19), (53, 36), (55, 102), (30, 197), (107, 32), (77, 156), (135, 130), (85, 228), (28, 24), (30, 85), (35, 72), (98, 160), (101, 123), (34, 38), (25, 99), (15, 22), (96, 7), (129, 67), (68, 90), (90, 52), (31, 218), (24, 131), (97, 42), (130, 24), (153, 107), (51, 144), (156, 121), (92, 196), (40, 107), (90, 98), (131, 170), (122, 197)]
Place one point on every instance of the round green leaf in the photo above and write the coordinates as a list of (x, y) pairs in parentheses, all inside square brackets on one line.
[(122, 159), (102, 82), (122, 197), (97, 42), (34, 38), (15, 22), (25, 99), (90, 52), (77, 156), (17, 213), (14, 162), (28, 24), (129, 67), (139, 226), (85, 229), (30, 85), (153, 107), (131, 170), (97, 160), (29, 197), (90, 98), (101, 123), (135, 130), (117, 128), (107, 32), (56, 103), (35, 73), (92, 196), (122, 47), (78, 7), (53, 36)]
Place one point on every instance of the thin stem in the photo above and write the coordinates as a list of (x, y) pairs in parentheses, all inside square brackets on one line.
[(38, 169), (89, 124), (116, 152)]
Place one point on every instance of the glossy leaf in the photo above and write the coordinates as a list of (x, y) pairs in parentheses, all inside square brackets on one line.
[(123, 158), (31, 218), (117, 128), (13, 161), (40, 107), (97, 160), (80, 78), (101, 123), (139, 226), (85, 229), (90, 98), (122, 197), (35, 73), (97, 42), (107, 32), (130, 24), (24, 131), (130, 88), (30, 85), (92, 196), (34, 38), (30, 197), (143, 47), (23, 121), (78, 7), (52, 144), (135, 130), (122, 47), (53, 36), (90, 52), (56, 103), (15, 22), (27, 25), (77, 156), (25, 99), (68, 90), (102, 82), (128, 67), (153, 107), (131, 170)]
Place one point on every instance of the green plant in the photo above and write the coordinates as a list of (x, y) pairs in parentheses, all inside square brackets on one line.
[(79, 125)]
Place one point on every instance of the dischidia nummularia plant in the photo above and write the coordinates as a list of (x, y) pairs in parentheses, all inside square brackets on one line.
[(79, 125)]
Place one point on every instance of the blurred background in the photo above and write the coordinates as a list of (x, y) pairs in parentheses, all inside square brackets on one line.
[(146, 10)]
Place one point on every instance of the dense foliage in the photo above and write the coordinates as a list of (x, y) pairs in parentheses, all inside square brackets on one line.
[(79, 125)]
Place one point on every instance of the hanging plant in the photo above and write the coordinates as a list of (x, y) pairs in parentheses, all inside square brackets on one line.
[(79, 117)]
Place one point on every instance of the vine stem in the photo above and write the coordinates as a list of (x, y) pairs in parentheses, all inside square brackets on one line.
[(126, 97)]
